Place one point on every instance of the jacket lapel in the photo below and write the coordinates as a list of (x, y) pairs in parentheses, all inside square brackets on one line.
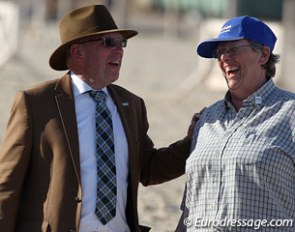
[(125, 110), (123, 107), (66, 108)]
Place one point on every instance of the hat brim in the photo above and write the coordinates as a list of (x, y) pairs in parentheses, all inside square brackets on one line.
[(57, 60), (207, 48)]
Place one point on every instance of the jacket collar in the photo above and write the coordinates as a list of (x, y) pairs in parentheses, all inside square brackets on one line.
[(66, 109)]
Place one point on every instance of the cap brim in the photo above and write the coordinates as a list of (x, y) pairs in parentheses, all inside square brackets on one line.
[(57, 60), (207, 48)]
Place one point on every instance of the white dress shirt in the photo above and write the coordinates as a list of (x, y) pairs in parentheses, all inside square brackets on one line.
[(85, 114)]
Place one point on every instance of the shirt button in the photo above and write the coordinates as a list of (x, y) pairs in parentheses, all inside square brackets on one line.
[(217, 153), (214, 205), (187, 204), (249, 138), (78, 199), (214, 179), (226, 134)]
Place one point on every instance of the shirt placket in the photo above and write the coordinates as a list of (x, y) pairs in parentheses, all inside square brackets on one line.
[(236, 121)]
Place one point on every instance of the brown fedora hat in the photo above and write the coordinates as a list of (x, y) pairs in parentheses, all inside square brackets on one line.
[(80, 23)]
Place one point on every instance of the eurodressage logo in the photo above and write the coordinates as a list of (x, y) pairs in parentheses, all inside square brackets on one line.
[(256, 224)]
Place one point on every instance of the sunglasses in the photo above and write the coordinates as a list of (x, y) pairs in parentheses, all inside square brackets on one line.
[(109, 42), (230, 51)]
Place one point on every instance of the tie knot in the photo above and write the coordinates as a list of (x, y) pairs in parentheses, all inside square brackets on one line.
[(98, 96)]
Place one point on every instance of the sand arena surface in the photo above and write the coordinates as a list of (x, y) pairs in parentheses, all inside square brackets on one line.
[(165, 71)]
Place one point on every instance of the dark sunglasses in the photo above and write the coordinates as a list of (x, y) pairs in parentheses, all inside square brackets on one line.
[(109, 42)]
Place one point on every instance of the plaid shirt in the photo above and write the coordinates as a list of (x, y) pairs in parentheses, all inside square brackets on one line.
[(242, 165)]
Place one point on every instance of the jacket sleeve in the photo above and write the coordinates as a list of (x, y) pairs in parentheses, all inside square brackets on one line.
[(14, 160), (164, 164)]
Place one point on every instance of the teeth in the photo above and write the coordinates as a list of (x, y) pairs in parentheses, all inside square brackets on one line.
[(232, 69), (115, 62)]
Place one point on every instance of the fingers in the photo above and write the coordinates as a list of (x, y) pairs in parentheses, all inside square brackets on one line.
[(194, 120)]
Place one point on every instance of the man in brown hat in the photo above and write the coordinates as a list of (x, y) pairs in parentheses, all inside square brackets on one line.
[(77, 147)]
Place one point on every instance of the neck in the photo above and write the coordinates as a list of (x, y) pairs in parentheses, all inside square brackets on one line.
[(238, 96), (237, 103), (92, 82)]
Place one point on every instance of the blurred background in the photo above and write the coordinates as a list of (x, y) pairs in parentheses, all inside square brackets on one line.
[(160, 65)]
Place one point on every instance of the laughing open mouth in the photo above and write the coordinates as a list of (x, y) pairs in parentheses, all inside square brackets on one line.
[(115, 63), (232, 70)]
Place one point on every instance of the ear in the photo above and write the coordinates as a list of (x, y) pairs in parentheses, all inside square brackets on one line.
[(265, 54), (76, 51)]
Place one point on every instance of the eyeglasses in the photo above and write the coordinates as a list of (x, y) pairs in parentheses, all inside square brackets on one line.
[(230, 51), (109, 42)]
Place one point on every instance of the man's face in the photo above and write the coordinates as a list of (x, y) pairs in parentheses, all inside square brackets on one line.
[(102, 62)]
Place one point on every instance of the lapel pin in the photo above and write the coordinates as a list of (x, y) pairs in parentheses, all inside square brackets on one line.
[(125, 104)]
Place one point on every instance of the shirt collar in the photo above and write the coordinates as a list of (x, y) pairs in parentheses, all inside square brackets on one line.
[(257, 98), (80, 86)]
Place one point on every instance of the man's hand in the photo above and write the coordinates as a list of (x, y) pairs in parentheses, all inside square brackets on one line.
[(194, 120)]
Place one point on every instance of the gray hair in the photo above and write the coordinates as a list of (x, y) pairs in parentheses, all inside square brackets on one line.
[(270, 65)]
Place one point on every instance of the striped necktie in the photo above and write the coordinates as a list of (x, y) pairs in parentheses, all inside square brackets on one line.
[(106, 169)]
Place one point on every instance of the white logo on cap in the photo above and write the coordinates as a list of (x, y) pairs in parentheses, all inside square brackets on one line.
[(225, 29)]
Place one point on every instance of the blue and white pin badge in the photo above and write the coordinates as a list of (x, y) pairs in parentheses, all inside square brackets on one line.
[(258, 102), (125, 104)]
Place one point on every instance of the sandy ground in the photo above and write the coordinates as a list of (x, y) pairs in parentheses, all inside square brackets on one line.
[(158, 69), (162, 69)]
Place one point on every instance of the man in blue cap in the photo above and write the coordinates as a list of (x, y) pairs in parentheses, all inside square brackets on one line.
[(240, 173)]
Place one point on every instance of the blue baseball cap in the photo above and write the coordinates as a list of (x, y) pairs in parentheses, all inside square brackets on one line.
[(242, 27)]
